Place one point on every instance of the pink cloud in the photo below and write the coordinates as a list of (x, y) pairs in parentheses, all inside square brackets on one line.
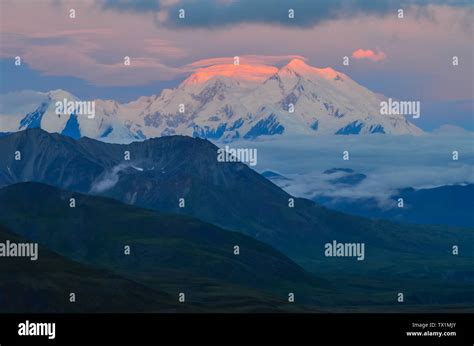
[(245, 59), (369, 54), (83, 54), (163, 48)]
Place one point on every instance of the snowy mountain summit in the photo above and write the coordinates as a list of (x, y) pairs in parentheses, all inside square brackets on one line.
[(221, 102)]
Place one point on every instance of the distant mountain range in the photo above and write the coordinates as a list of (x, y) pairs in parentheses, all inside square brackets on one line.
[(445, 205), (450, 205), (220, 102)]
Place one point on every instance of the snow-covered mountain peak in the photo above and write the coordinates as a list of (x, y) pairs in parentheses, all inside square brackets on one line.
[(300, 68), (222, 102), (243, 72)]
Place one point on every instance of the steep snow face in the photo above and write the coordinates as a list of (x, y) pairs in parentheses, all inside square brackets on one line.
[(223, 102), (38, 110), (30, 109), (327, 102)]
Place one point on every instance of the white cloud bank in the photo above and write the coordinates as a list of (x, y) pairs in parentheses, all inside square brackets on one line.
[(390, 163)]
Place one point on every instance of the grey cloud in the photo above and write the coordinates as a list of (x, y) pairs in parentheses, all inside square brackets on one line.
[(308, 13)]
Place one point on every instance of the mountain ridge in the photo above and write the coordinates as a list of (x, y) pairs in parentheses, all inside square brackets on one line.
[(176, 249), (222, 102), (162, 171)]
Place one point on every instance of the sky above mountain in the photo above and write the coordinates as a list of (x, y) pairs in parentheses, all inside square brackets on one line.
[(408, 58)]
